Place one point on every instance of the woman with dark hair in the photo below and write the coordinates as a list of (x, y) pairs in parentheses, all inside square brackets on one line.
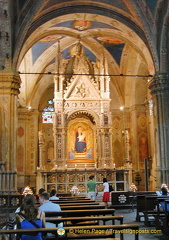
[(30, 217), (106, 194)]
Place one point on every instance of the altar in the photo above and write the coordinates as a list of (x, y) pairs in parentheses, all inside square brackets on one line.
[(63, 181)]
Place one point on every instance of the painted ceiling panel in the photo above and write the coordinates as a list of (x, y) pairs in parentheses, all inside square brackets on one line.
[(115, 50), (118, 3), (39, 48), (87, 53), (21, 3), (83, 23), (152, 5)]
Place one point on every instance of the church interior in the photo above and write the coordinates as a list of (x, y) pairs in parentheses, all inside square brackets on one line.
[(84, 88)]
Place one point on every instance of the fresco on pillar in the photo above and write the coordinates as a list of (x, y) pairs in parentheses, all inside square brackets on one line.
[(80, 142)]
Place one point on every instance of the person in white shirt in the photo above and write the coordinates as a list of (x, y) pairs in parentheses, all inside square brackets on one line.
[(106, 193)]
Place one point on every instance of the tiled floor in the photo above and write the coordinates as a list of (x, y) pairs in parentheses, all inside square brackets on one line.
[(146, 232)]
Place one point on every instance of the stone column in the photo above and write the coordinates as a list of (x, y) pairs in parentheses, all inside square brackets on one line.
[(9, 89), (159, 87), (41, 147)]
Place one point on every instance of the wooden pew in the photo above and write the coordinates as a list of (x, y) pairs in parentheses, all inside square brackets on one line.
[(145, 207), (82, 220), (151, 209), (82, 232), (160, 214), (80, 213), (74, 197), (166, 219), (74, 201), (79, 204), (82, 207)]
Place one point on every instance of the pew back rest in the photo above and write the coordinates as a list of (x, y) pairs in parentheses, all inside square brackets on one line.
[(79, 213)]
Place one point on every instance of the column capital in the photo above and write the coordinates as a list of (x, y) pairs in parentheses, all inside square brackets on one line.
[(9, 83), (160, 83)]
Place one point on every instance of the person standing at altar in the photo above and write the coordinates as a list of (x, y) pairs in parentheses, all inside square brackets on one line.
[(92, 189), (80, 141), (106, 193)]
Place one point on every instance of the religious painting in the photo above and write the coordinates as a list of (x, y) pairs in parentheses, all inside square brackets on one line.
[(80, 142)]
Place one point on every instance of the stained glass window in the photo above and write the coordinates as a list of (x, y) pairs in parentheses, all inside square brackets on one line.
[(48, 112)]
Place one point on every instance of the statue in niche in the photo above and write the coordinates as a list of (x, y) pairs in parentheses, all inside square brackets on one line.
[(50, 151)]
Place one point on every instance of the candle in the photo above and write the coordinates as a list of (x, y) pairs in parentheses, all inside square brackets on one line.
[(85, 166), (95, 166), (75, 166), (65, 166), (105, 166), (56, 166), (114, 165)]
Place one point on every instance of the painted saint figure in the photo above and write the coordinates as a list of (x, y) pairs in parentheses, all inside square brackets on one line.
[(80, 141)]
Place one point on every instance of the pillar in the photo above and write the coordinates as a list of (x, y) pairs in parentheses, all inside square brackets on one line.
[(159, 87), (9, 90)]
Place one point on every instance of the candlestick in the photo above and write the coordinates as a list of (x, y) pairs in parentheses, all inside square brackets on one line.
[(114, 165)]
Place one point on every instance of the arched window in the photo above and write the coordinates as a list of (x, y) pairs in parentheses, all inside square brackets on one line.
[(48, 112)]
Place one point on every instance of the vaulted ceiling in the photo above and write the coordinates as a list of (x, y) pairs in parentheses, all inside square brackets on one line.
[(118, 28)]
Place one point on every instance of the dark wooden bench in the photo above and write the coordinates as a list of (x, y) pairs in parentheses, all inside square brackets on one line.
[(160, 213), (152, 210), (165, 223), (145, 206), (80, 213), (79, 204), (82, 207), (86, 220), (73, 201), (82, 232)]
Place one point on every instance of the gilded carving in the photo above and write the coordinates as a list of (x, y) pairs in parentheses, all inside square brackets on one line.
[(61, 178), (71, 177)]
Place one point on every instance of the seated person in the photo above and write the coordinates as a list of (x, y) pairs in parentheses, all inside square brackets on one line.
[(30, 217), (41, 190), (164, 193), (48, 206), (53, 195)]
